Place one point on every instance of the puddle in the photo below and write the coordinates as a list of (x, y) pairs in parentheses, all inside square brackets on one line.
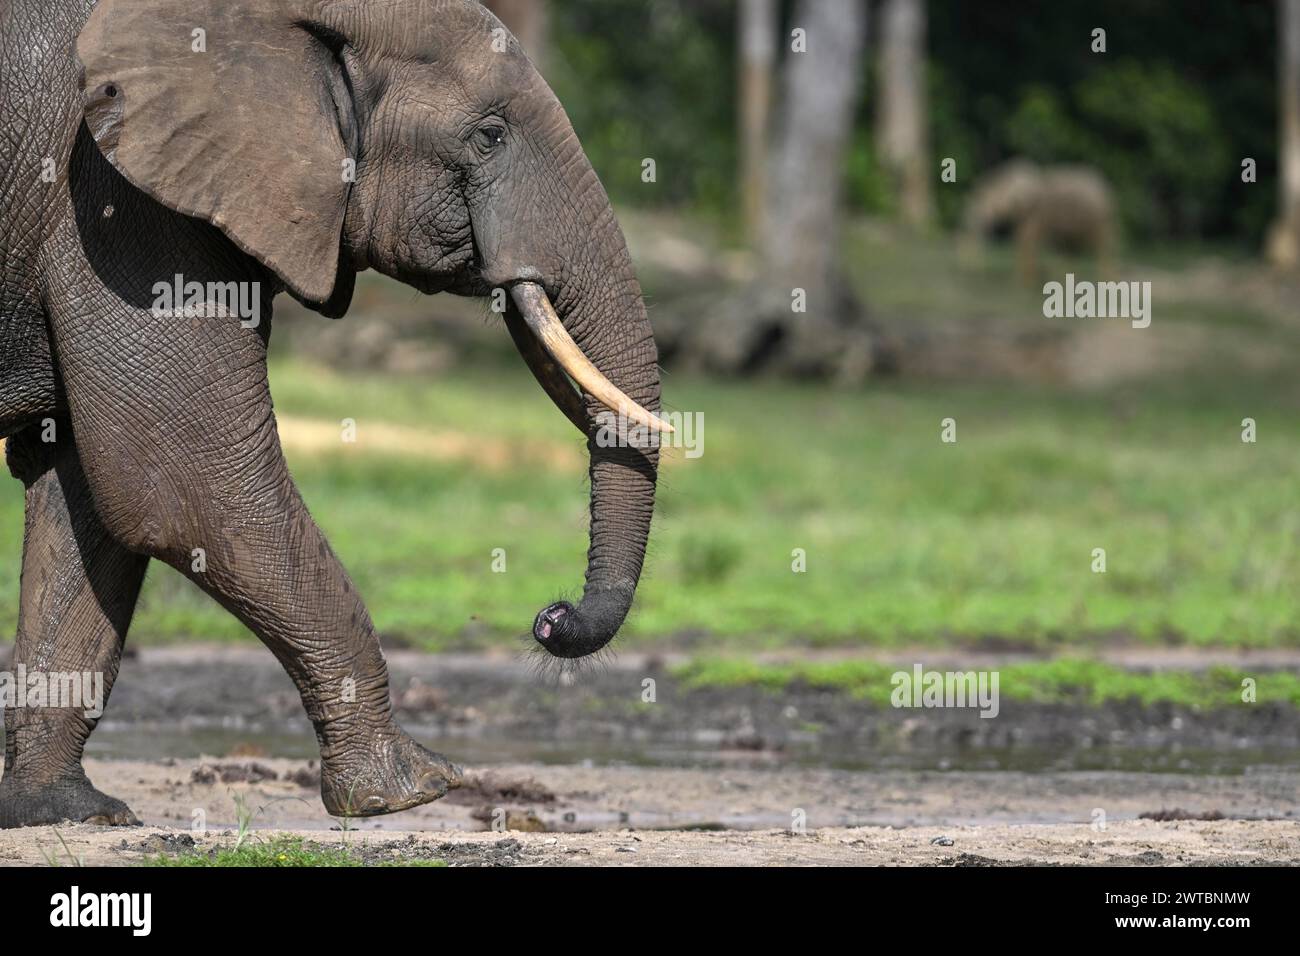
[(485, 712), (149, 741)]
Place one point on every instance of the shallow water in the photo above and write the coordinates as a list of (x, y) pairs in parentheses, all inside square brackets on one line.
[(149, 741)]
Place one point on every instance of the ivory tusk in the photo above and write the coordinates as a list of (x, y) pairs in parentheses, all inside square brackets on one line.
[(540, 315)]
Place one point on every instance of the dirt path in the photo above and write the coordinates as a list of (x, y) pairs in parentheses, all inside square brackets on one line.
[(1132, 843), (637, 815), (285, 793)]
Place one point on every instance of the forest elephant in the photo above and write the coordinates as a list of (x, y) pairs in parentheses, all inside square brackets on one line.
[(1069, 208), (231, 150)]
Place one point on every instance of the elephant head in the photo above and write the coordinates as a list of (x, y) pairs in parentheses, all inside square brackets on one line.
[(414, 137)]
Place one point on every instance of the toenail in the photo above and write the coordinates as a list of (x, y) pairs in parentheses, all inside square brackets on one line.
[(433, 783)]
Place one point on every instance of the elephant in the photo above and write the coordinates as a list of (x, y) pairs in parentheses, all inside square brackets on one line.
[(1070, 207), (259, 147)]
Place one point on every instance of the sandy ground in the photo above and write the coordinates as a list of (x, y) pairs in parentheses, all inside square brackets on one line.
[(564, 815), (1131, 843)]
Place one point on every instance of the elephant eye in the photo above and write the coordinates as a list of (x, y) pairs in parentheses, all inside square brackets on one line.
[(489, 137)]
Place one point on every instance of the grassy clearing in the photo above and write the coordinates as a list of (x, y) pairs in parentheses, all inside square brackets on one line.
[(908, 539), (1061, 681), (283, 851), (917, 280)]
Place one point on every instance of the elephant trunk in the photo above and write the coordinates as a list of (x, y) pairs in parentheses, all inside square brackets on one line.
[(599, 305)]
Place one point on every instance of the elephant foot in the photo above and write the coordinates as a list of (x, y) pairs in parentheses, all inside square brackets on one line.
[(393, 773), (26, 803)]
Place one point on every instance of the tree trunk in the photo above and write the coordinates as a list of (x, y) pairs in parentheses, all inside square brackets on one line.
[(805, 189), (526, 19), (798, 316), (1284, 237), (806, 183), (901, 115), (757, 26)]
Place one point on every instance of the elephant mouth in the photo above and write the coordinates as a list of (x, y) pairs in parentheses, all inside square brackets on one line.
[(562, 632), (549, 619)]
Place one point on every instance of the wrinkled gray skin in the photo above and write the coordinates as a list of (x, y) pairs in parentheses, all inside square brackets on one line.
[(468, 177)]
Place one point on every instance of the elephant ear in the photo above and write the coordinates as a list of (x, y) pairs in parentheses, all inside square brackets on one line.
[(227, 111)]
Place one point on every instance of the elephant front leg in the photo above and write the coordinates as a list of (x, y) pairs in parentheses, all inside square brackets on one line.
[(231, 520), (291, 590), (79, 589), (265, 559), (184, 463)]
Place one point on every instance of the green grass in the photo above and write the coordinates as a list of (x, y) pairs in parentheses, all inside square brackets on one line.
[(278, 852), (907, 539), (1060, 681)]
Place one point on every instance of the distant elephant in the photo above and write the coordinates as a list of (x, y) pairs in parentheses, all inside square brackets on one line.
[(1064, 207), (169, 166)]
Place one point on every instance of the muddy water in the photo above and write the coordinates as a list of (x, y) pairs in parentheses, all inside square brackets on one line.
[(193, 739), (186, 701)]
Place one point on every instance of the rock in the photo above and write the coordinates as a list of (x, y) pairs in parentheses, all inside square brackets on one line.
[(232, 773)]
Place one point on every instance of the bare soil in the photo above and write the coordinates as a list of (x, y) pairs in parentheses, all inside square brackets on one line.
[(526, 815)]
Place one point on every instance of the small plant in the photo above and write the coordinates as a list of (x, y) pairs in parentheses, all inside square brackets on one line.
[(282, 851), (244, 817), (345, 821), (51, 858)]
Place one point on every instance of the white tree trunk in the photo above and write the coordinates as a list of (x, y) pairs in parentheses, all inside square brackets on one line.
[(799, 315), (1284, 237), (901, 116), (757, 29), (526, 19), (805, 182)]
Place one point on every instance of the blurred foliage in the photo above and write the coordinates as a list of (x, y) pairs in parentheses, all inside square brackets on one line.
[(1184, 92), (867, 183), (650, 79), (1154, 135)]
